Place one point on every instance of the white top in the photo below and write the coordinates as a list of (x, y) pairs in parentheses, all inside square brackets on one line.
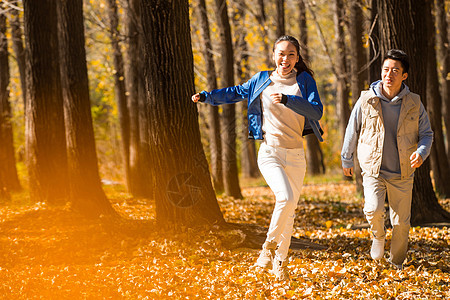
[(282, 126)]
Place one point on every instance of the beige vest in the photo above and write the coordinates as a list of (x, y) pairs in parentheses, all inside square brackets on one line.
[(371, 137)]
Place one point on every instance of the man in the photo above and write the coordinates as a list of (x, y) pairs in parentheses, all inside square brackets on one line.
[(394, 138)]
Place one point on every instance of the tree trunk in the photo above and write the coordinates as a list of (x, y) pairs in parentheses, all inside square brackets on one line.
[(139, 167), (438, 157), (8, 173), (374, 46), (228, 125), (19, 51), (249, 167), (44, 128), (444, 62), (314, 154), (86, 193), (213, 111), (358, 59), (261, 17), (280, 18), (119, 86), (357, 62), (183, 190), (341, 66), (401, 28)]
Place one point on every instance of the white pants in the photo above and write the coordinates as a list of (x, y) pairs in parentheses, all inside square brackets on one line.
[(284, 171), (399, 192)]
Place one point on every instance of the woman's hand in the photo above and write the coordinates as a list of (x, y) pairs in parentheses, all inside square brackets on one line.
[(195, 97), (276, 98)]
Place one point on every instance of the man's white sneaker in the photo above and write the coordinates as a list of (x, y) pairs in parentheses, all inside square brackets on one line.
[(377, 250), (280, 270), (266, 255)]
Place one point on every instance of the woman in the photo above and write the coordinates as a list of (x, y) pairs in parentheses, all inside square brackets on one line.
[(283, 106)]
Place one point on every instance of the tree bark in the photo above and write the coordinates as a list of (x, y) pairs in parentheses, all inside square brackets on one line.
[(261, 17), (140, 183), (438, 157), (341, 66), (19, 51), (228, 120), (8, 173), (444, 61), (119, 86), (183, 189), (44, 126), (281, 27), (249, 167), (215, 146), (402, 28), (358, 59), (374, 48), (314, 154), (86, 193)]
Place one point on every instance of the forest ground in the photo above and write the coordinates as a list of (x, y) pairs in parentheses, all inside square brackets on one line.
[(54, 253)]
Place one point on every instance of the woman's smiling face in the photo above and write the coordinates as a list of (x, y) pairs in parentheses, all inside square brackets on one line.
[(285, 56)]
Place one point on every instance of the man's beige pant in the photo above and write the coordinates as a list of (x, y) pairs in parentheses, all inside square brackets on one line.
[(399, 192)]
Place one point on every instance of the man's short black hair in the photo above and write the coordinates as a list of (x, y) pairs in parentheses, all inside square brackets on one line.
[(399, 55)]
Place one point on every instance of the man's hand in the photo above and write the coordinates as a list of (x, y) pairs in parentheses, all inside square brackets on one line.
[(276, 98), (348, 171), (416, 160)]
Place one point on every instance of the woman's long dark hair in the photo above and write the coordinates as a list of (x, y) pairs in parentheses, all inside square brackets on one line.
[(300, 65)]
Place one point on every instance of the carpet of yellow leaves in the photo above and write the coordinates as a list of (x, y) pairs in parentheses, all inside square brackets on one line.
[(53, 253)]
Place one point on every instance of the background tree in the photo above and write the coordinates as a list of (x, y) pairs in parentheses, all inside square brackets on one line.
[(44, 131), (140, 183), (119, 87), (215, 145), (314, 155), (228, 118), (8, 173), (281, 27), (444, 62), (86, 192), (183, 190), (400, 28), (438, 157), (249, 167), (19, 51)]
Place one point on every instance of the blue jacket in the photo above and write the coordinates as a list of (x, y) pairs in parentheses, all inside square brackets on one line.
[(310, 107)]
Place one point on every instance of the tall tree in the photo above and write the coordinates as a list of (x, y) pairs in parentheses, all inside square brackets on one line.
[(119, 86), (374, 45), (139, 166), (215, 146), (19, 51), (228, 125), (249, 167), (341, 65), (8, 174), (444, 60), (438, 157), (44, 126), (358, 75), (183, 190), (86, 193), (314, 154), (281, 27), (402, 28), (262, 20)]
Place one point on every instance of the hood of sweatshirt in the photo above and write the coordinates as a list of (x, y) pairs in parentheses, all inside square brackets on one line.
[(377, 89)]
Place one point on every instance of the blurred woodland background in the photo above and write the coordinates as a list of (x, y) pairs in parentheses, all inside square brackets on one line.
[(98, 92)]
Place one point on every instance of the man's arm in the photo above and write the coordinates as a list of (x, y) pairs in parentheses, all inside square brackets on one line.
[(425, 139), (350, 139)]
